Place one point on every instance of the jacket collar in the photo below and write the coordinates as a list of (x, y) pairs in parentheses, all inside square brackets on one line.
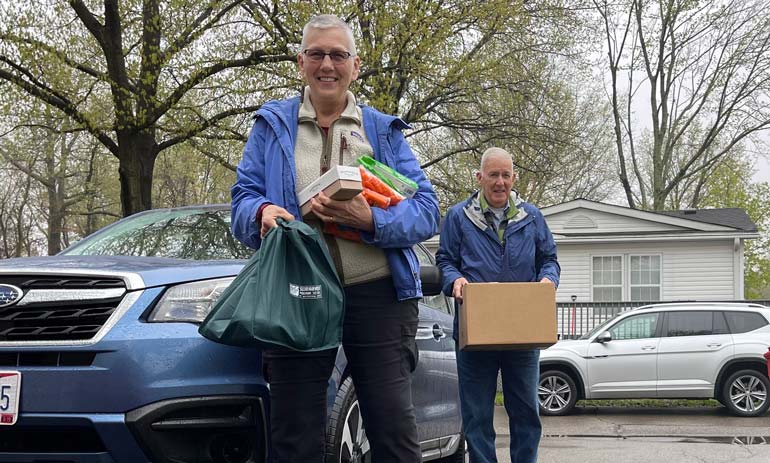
[(307, 112), (475, 211)]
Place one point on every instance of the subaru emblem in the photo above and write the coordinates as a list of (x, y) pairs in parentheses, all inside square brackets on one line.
[(9, 295)]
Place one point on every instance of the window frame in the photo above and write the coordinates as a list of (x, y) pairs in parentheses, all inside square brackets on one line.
[(730, 326), (630, 284), (625, 275), (714, 314), (655, 334), (622, 271)]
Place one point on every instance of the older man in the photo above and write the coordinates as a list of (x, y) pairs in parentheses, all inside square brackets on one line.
[(494, 236)]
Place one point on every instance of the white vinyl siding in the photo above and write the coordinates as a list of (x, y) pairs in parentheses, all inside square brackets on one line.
[(690, 270), (575, 278)]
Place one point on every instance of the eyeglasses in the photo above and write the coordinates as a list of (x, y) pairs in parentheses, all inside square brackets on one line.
[(337, 57)]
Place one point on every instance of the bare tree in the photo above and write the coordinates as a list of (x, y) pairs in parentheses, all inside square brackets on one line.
[(703, 70)]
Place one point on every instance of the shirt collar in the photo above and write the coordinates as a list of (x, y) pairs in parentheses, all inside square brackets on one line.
[(307, 111), (509, 212)]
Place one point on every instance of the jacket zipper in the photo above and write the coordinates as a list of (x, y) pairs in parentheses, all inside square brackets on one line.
[(343, 147), (326, 151)]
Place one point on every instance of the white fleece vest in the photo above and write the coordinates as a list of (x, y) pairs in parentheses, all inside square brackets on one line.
[(345, 142)]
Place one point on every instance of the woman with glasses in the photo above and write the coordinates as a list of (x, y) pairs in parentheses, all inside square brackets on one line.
[(292, 143)]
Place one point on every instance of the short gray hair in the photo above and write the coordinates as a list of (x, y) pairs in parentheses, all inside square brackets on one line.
[(328, 21), (495, 152)]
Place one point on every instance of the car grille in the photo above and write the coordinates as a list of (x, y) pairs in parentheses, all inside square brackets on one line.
[(59, 308), (46, 359), (50, 440)]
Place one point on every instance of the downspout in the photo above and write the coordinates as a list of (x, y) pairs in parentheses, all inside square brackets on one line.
[(738, 269)]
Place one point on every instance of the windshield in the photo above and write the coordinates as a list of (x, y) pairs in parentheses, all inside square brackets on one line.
[(600, 327), (196, 234)]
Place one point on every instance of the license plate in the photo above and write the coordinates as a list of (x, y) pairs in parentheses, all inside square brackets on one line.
[(10, 387)]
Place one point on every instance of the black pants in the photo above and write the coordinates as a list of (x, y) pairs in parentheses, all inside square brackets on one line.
[(378, 338)]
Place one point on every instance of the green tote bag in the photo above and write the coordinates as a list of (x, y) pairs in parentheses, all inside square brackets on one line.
[(288, 295)]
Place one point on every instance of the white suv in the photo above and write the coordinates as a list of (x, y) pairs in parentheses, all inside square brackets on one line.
[(681, 350)]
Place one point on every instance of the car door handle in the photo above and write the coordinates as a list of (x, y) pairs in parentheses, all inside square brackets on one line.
[(648, 347), (435, 332), (438, 332), (714, 344)]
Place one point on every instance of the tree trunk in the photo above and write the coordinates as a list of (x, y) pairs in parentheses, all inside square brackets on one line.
[(90, 226), (56, 215), (22, 235), (136, 154)]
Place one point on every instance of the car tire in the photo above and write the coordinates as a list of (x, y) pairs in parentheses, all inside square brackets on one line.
[(458, 456), (346, 439), (556, 393), (745, 393)]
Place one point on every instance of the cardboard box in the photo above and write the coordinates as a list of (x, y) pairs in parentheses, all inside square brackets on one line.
[(503, 316), (339, 182)]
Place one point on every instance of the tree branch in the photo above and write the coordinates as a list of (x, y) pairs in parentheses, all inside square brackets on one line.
[(47, 95), (210, 122), (256, 57)]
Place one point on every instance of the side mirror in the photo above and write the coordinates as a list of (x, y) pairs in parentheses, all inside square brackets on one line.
[(606, 336), (430, 276)]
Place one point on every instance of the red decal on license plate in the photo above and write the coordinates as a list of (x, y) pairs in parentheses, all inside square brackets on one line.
[(6, 418)]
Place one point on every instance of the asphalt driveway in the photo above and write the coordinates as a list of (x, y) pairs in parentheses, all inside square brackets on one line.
[(646, 435)]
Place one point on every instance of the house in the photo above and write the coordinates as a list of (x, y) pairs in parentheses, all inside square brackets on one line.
[(612, 253)]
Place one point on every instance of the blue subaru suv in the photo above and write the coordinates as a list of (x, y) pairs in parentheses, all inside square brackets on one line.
[(101, 360)]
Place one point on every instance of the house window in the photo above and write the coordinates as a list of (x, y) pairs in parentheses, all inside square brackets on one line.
[(644, 278), (607, 278), (626, 278)]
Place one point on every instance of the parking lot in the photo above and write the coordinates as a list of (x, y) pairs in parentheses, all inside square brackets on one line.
[(672, 435)]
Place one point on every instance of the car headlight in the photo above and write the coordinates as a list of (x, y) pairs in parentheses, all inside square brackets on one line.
[(190, 302)]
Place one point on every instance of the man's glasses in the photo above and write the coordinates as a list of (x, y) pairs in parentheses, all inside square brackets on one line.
[(337, 57)]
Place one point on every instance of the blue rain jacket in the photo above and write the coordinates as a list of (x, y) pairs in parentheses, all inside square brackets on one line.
[(267, 174), (470, 248)]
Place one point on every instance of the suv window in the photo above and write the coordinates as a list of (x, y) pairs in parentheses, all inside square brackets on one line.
[(636, 327), (743, 322), (695, 323), (439, 301)]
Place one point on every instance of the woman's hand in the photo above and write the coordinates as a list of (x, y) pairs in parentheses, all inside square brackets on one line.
[(269, 214), (354, 212)]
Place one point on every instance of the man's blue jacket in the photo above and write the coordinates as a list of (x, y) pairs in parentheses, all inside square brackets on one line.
[(470, 248), (267, 174)]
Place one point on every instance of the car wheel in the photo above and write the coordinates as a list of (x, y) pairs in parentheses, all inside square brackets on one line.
[(458, 456), (556, 393), (745, 393), (346, 440)]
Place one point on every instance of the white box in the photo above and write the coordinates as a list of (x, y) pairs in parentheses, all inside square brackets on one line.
[(339, 182)]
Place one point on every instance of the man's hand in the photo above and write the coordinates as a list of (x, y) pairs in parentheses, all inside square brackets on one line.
[(457, 289), (546, 280), (269, 214), (354, 212)]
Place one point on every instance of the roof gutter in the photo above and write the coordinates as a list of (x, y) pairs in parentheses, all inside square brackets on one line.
[(561, 239)]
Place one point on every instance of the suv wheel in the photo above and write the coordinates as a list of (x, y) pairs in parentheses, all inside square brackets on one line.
[(745, 393), (346, 440), (556, 393)]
